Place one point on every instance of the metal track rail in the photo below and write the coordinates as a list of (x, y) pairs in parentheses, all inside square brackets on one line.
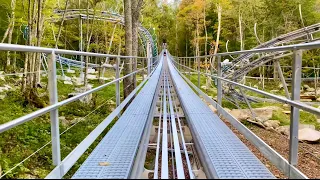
[(222, 154), (115, 155)]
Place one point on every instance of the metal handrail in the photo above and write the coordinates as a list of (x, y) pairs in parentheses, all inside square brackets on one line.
[(23, 48), (304, 46)]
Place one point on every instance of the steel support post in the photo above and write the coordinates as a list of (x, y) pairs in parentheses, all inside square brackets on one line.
[(219, 84), (143, 69), (54, 116), (118, 83), (198, 59), (189, 68), (135, 64), (283, 81), (148, 58), (294, 118), (81, 49)]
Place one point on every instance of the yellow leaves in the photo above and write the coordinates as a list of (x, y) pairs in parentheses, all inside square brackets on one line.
[(104, 164)]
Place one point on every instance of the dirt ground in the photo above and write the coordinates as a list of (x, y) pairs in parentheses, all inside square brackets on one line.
[(309, 154)]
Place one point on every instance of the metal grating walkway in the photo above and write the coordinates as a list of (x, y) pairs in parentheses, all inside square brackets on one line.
[(224, 155), (119, 147)]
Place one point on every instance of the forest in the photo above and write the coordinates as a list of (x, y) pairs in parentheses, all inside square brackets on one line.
[(189, 27)]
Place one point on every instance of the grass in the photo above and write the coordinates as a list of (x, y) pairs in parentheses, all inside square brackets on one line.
[(21, 141)]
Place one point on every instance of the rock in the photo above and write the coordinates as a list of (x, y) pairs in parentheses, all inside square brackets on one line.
[(306, 86), (68, 82), (2, 96), (71, 71), (311, 90), (272, 124), (286, 112), (285, 130), (63, 120), (107, 66), (262, 114), (91, 71), (309, 135), (64, 78), (309, 93), (305, 100), (227, 110), (286, 105), (213, 109), (204, 87), (310, 126), (318, 99), (92, 77), (274, 91), (8, 87), (240, 114)]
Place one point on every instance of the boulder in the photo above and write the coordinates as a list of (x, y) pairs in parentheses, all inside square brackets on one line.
[(92, 77), (310, 89), (2, 96), (285, 130), (274, 91), (63, 78), (309, 135), (107, 66), (71, 71), (310, 126), (204, 87), (306, 86), (306, 100), (8, 87), (68, 82), (91, 71), (63, 120), (318, 99), (262, 114), (240, 114), (272, 124)]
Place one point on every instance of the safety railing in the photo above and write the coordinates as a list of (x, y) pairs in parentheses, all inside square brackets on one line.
[(192, 65), (147, 66)]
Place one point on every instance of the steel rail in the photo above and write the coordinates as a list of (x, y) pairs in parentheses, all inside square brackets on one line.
[(176, 144), (284, 100), (183, 142), (156, 166), (304, 46), (23, 48), (9, 125), (164, 157)]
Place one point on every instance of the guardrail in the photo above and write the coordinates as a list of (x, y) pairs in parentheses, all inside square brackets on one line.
[(54, 104), (288, 167)]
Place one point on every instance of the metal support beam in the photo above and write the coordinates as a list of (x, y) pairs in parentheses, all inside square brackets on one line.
[(282, 78), (219, 84), (81, 49), (148, 57), (118, 83), (165, 159), (54, 116), (294, 118), (198, 59)]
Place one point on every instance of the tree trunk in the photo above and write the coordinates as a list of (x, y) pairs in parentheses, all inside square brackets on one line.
[(135, 10), (219, 8), (128, 46), (61, 24)]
